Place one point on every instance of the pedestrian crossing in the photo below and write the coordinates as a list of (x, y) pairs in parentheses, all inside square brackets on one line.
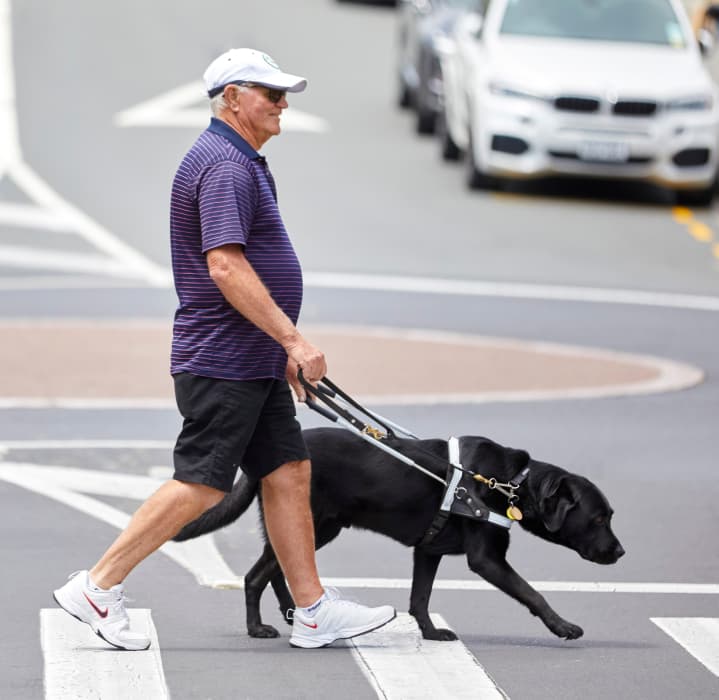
[(395, 661), (698, 635), (81, 666)]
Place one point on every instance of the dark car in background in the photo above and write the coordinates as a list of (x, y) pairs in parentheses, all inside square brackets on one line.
[(423, 26)]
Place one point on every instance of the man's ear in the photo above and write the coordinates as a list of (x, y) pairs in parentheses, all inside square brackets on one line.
[(556, 499), (232, 95)]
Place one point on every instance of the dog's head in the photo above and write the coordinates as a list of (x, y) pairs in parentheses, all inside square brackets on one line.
[(572, 511)]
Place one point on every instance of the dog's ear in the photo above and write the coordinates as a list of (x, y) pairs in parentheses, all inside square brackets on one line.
[(556, 499)]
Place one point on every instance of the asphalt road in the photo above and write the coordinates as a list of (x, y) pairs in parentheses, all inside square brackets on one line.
[(364, 196)]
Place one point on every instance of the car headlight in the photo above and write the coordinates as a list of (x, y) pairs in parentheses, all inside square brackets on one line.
[(505, 90), (692, 102)]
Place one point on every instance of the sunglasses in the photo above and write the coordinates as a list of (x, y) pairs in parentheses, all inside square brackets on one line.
[(273, 94)]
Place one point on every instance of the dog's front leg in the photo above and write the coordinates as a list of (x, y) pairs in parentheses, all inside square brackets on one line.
[(499, 573), (284, 597), (425, 569)]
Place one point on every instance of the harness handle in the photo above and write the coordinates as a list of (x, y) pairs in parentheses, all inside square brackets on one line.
[(327, 392)]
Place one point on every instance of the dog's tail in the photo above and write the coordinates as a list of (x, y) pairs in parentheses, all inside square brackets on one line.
[(231, 507)]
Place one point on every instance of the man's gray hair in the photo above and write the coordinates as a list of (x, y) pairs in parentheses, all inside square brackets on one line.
[(218, 103)]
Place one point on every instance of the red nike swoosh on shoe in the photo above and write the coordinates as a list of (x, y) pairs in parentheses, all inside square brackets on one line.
[(313, 627), (101, 613)]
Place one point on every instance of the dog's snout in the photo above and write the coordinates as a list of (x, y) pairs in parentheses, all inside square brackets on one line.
[(619, 551)]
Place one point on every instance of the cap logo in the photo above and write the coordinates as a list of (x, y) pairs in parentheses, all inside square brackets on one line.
[(270, 62)]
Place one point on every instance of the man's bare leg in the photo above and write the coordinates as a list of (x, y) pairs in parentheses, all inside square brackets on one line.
[(156, 521), (288, 518)]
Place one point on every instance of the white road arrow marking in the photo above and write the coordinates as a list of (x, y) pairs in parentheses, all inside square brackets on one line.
[(178, 108), (400, 665), (80, 666), (47, 209), (698, 635)]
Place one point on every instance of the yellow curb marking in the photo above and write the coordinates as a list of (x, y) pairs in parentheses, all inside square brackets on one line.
[(682, 215), (700, 231)]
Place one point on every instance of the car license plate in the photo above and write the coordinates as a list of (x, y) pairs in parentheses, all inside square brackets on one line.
[(604, 151)]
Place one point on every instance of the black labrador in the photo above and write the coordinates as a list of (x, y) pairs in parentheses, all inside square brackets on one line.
[(354, 484)]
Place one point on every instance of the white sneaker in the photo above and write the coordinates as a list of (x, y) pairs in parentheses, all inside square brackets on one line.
[(336, 618), (104, 611)]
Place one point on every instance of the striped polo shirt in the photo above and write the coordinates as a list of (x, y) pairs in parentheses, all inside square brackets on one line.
[(223, 193)]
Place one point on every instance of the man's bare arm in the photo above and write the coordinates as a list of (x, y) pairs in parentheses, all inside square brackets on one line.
[(242, 287)]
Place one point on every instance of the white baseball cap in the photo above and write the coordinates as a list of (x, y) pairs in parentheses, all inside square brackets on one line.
[(249, 66)]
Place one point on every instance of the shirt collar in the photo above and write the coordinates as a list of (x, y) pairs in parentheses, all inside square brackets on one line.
[(217, 126)]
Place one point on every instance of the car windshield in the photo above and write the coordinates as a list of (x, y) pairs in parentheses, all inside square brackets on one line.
[(636, 21)]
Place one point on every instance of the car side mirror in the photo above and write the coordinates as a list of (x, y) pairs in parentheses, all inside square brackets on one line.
[(706, 41), (707, 32)]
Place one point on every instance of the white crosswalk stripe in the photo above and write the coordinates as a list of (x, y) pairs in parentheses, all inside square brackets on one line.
[(79, 665), (698, 635), (400, 665)]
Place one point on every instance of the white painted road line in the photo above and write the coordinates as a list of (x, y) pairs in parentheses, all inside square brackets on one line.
[(434, 285), (199, 556), (545, 586), (400, 665), (81, 666), (698, 635), (47, 204), (28, 257), (205, 562)]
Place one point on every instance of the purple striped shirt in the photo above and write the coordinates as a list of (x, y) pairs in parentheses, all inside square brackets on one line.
[(223, 193)]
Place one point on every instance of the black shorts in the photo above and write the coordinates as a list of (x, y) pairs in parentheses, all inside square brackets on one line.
[(234, 424)]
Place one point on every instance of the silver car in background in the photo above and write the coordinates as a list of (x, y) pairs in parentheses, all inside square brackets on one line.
[(601, 88), (423, 27)]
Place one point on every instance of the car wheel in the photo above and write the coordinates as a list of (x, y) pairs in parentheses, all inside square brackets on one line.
[(448, 148), (477, 179), (702, 197), (426, 120), (404, 96)]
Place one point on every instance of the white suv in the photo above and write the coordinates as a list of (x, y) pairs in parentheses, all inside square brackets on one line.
[(602, 88)]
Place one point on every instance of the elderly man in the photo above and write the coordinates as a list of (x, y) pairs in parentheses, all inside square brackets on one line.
[(235, 352)]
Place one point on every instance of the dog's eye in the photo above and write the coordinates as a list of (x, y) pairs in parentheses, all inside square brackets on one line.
[(600, 520)]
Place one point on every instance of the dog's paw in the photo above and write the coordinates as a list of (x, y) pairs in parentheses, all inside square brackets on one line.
[(574, 631), (566, 630), (263, 632), (439, 635)]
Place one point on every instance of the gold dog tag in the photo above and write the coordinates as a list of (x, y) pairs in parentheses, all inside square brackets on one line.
[(513, 513)]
